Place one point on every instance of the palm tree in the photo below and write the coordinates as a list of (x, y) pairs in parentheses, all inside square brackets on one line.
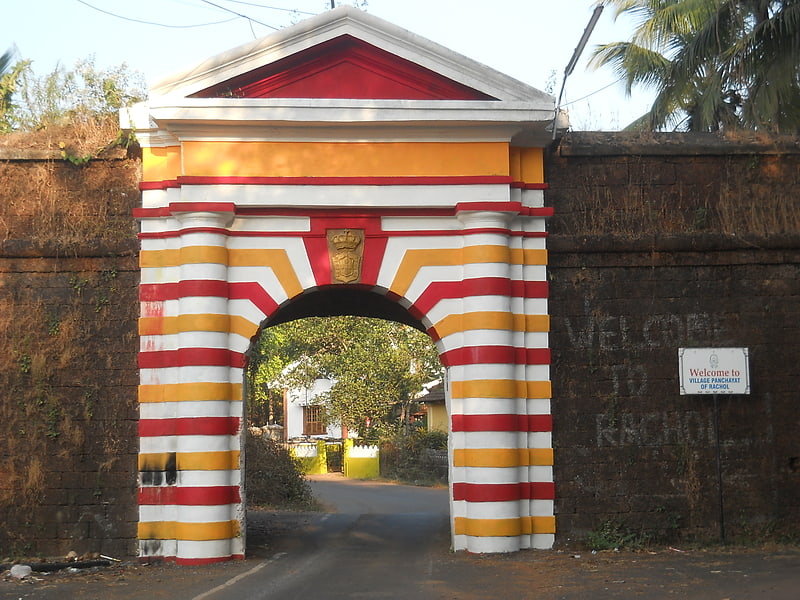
[(9, 73), (715, 64)]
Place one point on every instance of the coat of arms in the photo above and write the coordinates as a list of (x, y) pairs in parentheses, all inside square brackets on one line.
[(345, 247)]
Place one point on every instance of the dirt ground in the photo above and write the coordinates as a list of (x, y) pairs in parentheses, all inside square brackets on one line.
[(768, 573)]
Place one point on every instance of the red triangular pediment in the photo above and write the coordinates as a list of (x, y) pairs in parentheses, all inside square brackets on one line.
[(344, 67)]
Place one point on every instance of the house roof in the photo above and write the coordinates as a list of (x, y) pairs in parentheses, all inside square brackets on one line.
[(344, 67), (435, 395)]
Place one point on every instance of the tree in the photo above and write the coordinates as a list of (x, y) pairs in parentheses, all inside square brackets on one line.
[(377, 366), (84, 92), (715, 64), (29, 102), (9, 78)]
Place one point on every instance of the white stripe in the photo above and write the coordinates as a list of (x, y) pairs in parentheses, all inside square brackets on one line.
[(543, 541), (208, 478), (396, 249), (171, 375), (188, 443), (311, 196), (165, 548), (247, 310), (487, 510), (420, 224), (263, 276), (270, 223), (486, 545), (209, 548), (542, 508), (151, 275), (205, 408), (486, 475)]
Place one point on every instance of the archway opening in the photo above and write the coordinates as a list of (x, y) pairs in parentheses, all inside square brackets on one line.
[(344, 380)]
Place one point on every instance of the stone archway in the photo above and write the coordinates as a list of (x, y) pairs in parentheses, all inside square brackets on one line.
[(342, 152)]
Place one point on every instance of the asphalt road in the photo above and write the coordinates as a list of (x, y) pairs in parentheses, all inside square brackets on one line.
[(384, 541), (379, 543)]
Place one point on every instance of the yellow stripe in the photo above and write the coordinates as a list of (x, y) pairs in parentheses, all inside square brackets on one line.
[(276, 259), (345, 159), (491, 320), (502, 457), (183, 392), (190, 461), (198, 322), (500, 388), (161, 164), (528, 256), (200, 532), (416, 258), (504, 527)]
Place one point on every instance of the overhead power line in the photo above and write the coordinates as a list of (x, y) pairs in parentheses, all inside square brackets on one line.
[(289, 10), (124, 18), (238, 14)]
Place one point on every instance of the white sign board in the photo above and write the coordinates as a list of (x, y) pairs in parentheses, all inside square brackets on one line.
[(714, 370)]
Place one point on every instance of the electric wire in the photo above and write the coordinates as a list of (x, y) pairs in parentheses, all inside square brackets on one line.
[(230, 10), (124, 18), (289, 10), (589, 95)]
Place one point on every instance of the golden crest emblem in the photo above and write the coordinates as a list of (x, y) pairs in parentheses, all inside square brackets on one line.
[(346, 249)]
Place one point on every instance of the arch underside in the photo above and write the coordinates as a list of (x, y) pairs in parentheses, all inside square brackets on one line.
[(339, 300)]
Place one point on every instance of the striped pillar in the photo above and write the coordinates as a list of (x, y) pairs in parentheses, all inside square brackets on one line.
[(483, 389), (190, 503), (538, 485)]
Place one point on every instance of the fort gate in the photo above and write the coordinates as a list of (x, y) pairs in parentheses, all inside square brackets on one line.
[(343, 165)]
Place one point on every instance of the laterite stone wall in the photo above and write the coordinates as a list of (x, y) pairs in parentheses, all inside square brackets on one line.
[(68, 321), (631, 454)]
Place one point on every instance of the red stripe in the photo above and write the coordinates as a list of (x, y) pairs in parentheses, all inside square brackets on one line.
[(189, 426), (528, 423), (482, 286), (199, 562), (215, 207), (159, 292), (189, 496), (163, 235), (158, 185), (544, 211), (489, 206), (255, 293), (529, 186), (191, 357), (483, 355), (503, 492)]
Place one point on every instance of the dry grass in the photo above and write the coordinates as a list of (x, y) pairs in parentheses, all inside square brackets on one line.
[(66, 204), (84, 136)]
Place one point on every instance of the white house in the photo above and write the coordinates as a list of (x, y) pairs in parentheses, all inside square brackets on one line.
[(303, 412)]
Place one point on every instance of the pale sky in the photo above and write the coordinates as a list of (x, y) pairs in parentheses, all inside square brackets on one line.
[(526, 39)]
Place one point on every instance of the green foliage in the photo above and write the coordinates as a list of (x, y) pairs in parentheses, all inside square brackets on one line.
[(612, 535), (9, 82), (413, 457), (715, 64), (272, 477), (378, 368), (63, 95)]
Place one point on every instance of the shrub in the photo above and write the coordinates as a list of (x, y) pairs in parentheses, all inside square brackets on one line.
[(272, 478)]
